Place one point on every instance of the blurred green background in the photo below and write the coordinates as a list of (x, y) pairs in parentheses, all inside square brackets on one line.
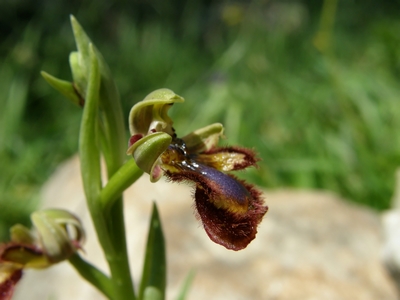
[(312, 85)]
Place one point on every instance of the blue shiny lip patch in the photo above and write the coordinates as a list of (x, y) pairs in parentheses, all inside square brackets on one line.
[(229, 187)]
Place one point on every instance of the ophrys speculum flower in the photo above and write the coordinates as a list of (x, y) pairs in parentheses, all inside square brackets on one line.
[(59, 234), (229, 208)]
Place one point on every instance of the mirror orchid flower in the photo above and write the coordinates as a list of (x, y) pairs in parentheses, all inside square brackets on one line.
[(230, 209), (58, 235)]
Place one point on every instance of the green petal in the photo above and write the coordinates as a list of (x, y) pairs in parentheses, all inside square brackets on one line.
[(204, 139), (20, 234)]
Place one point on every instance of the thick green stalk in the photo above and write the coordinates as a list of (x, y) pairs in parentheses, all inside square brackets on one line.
[(119, 182), (114, 133), (118, 262), (106, 208), (90, 157), (113, 244), (93, 275)]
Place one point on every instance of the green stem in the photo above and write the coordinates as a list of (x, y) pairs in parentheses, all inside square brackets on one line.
[(90, 168), (119, 182), (111, 199), (93, 275), (119, 263), (109, 224)]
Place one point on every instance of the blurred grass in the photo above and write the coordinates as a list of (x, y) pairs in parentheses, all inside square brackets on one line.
[(318, 102)]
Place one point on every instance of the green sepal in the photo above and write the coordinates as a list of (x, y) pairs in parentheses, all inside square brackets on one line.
[(21, 235), (152, 112), (147, 150), (154, 269), (66, 88)]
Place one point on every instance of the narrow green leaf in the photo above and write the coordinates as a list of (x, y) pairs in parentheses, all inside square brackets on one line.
[(186, 286), (152, 293), (154, 270), (66, 88)]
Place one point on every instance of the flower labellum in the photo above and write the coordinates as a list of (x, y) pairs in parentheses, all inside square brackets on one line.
[(229, 208)]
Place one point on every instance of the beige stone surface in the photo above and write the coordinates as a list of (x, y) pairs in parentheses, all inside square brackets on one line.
[(311, 245)]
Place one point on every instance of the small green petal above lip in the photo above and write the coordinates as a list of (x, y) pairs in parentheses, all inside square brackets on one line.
[(151, 113), (147, 150), (204, 139)]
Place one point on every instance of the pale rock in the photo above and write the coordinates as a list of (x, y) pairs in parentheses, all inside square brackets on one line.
[(391, 245), (310, 245), (391, 233)]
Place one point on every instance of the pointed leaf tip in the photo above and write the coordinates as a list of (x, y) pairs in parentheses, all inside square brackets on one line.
[(154, 270)]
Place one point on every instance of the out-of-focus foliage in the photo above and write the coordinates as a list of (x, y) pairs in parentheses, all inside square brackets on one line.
[(312, 85)]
